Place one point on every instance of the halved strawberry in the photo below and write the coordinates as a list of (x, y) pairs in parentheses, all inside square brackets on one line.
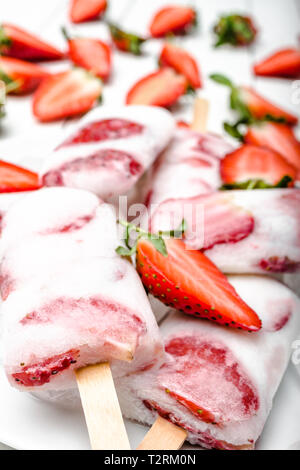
[(21, 76), (15, 42), (66, 94), (250, 104), (261, 108), (180, 60), (85, 10), (161, 88), (211, 220), (284, 63), (277, 137), (189, 281), (236, 30), (124, 41), (250, 164), (14, 178), (173, 19), (91, 54)]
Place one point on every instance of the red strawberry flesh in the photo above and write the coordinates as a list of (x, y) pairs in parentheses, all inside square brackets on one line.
[(187, 280), (277, 137), (14, 178), (203, 375), (161, 88), (175, 19), (211, 219), (108, 129), (251, 162)]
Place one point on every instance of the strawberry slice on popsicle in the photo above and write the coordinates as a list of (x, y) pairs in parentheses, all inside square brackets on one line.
[(284, 63), (66, 94), (161, 88), (15, 42), (180, 60)]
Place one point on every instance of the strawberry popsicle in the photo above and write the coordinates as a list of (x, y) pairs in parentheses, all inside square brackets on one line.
[(110, 150), (218, 383), (190, 166), (68, 299), (240, 231)]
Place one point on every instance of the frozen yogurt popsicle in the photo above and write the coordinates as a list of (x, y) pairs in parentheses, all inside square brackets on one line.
[(189, 167), (68, 299), (110, 150), (217, 383), (240, 231)]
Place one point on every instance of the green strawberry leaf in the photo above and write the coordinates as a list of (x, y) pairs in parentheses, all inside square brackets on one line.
[(222, 80), (159, 244), (257, 184)]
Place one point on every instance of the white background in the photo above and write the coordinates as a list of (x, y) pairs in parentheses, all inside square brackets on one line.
[(22, 139)]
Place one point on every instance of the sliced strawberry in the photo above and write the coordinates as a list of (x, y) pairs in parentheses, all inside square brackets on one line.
[(173, 19), (86, 10), (21, 76), (15, 178), (236, 30), (15, 42), (197, 410), (283, 63), (91, 54), (250, 104), (66, 94), (180, 60), (200, 371), (124, 41), (183, 124), (189, 281), (211, 220), (261, 108), (251, 163), (36, 375), (277, 137), (161, 88), (107, 129)]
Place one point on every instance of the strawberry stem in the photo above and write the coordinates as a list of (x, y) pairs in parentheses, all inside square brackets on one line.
[(156, 239)]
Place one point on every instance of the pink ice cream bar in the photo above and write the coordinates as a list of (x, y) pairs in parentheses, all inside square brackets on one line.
[(240, 231), (217, 383), (110, 150), (189, 167), (68, 299)]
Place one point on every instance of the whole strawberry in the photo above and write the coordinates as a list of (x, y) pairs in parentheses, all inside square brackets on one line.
[(236, 30)]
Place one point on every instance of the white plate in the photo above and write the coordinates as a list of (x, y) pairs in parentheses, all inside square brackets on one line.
[(30, 424)]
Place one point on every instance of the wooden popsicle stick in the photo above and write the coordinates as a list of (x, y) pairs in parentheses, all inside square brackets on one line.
[(101, 408), (163, 436), (201, 110)]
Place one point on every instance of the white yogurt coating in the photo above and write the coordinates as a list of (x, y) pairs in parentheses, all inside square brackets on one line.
[(260, 358), (112, 178), (189, 166), (274, 244), (67, 295)]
